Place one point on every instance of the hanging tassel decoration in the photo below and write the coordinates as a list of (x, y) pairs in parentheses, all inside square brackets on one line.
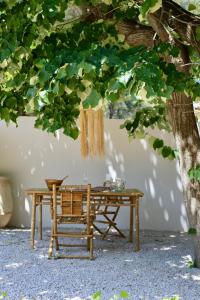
[(99, 130), (83, 133), (92, 132)]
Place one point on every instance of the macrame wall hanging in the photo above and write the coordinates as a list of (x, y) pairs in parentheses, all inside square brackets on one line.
[(91, 132)]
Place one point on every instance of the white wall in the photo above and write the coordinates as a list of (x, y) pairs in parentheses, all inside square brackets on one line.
[(28, 155)]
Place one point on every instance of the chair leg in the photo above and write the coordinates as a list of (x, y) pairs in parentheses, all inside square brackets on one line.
[(40, 218), (88, 244), (91, 248), (50, 252), (111, 224), (57, 244), (97, 229), (33, 221)]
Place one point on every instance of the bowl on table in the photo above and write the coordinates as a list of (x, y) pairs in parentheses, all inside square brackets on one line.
[(50, 182)]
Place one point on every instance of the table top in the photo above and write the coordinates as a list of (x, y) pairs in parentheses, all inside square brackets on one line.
[(125, 193)]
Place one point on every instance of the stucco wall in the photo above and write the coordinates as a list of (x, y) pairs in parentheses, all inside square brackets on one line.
[(28, 155)]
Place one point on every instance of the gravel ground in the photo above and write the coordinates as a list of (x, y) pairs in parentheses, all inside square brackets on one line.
[(159, 270)]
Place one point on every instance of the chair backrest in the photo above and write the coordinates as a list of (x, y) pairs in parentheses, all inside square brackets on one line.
[(74, 200)]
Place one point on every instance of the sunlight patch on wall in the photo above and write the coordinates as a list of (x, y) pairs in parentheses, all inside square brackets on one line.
[(166, 215), (51, 147), (152, 188), (146, 215), (153, 159), (144, 144), (119, 158), (183, 210), (179, 184), (172, 196), (111, 171), (177, 167), (183, 223), (33, 170), (58, 135), (154, 174), (122, 169), (27, 206), (193, 205)]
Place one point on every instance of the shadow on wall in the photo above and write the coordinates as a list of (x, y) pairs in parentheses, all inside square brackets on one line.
[(162, 207), (30, 155)]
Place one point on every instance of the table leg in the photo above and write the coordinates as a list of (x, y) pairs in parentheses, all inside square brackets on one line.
[(33, 220), (137, 224), (131, 222), (40, 218)]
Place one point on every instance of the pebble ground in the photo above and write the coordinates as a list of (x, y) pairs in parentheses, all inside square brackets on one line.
[(159, 270)]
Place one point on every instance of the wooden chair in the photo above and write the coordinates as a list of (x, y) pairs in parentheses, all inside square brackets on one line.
[(109, 212), (73, 207)]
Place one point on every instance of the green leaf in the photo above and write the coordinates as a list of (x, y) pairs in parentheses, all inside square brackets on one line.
[(149, 6), (124, 295), (192, 264), (3, 295), (191, 7), (5, 114), (113, 97), (158, 144), (87, 68), (92, 100), (40, 63), (194, 173), (192, 231), (61, 73), (166, 151), (198, 33), (97, 296), (31, 92), (43, 76), (11, 102), (4, 54), (73, 133), (72, 70)]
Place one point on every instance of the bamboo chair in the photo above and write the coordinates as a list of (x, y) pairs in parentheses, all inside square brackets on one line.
[(75, 208), (109, 214)]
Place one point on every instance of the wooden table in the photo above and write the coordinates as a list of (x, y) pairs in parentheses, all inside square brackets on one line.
[(127, 197)]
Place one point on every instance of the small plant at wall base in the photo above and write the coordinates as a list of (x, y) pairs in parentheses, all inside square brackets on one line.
[(59, 55), (192, 231), (98, 296), (3, 295), (172, 298), (122, 295), (192, 264)]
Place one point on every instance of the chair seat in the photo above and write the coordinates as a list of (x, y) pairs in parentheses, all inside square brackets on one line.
[(74, 219), (71, 219)]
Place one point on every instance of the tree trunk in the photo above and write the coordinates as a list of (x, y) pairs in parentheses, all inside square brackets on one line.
[(186, 134), (188, 145)]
